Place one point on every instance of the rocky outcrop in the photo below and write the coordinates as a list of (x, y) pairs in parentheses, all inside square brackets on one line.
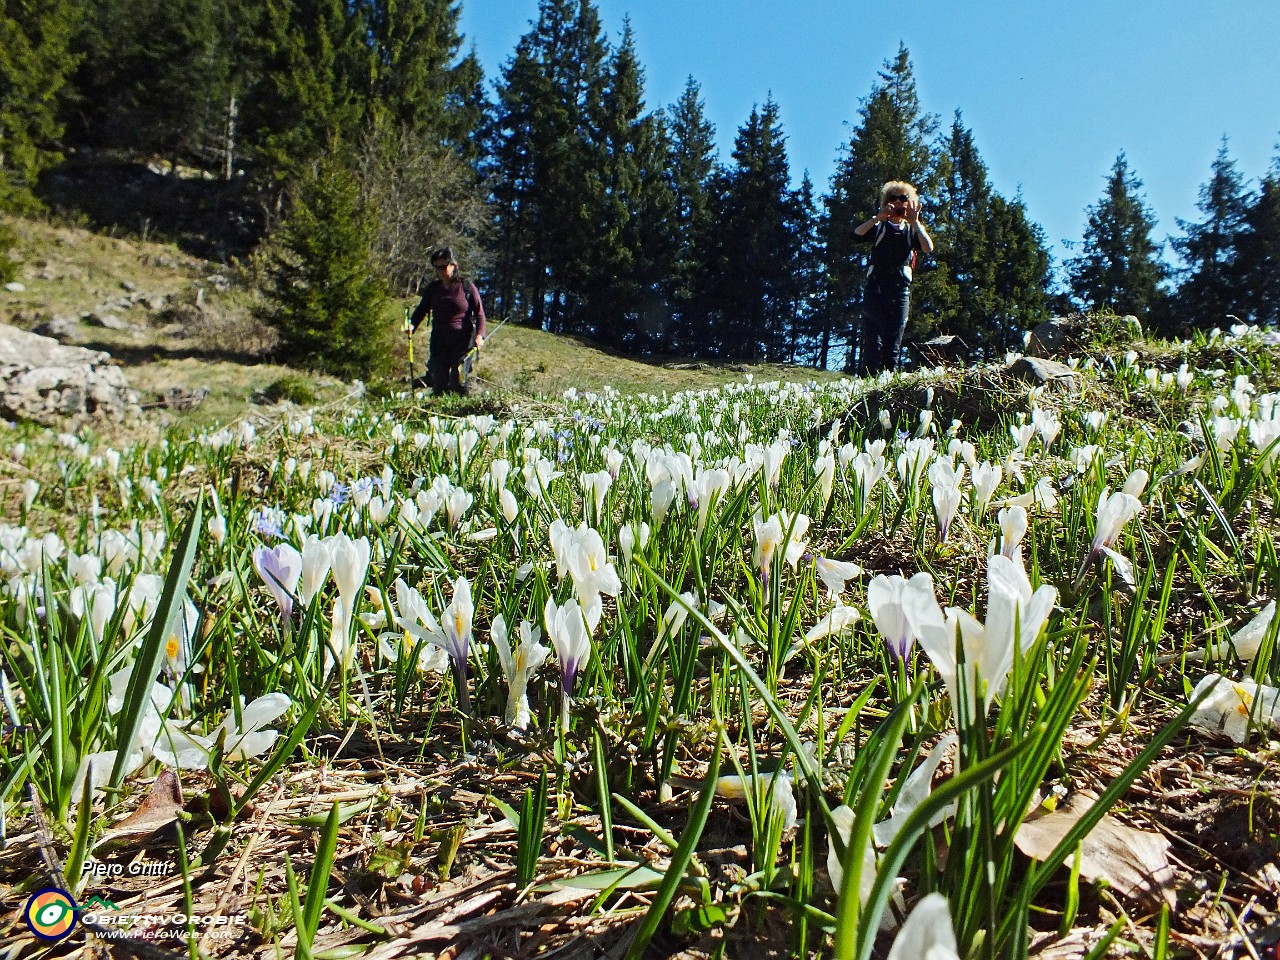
[(47, 382)]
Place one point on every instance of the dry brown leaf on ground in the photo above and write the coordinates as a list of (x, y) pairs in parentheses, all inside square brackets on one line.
[(1134, 862), (160, 808)]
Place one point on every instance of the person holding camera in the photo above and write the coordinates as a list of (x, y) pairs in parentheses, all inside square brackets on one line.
[(457, 322), (896, 235)]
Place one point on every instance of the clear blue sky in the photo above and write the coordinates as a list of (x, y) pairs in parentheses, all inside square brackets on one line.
[(1052, 91)]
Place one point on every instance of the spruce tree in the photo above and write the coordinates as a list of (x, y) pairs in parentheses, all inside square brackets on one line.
[(417, 80), (543, 141), (750, 281), (36, 62), (1020, 288), (309, 99), (966, 258), (152, 78), (322, 293), (622, 283), (1210, 289), (1258, 264), (890, 142), (810, 335), (692, 164), (992, 265), (1119, 267)]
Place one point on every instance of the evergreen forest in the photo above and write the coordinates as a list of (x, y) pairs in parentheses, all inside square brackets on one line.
[(335, 142)]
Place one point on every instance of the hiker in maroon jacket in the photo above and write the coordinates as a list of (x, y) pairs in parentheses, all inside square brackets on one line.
[(896, 235), (457, 322)]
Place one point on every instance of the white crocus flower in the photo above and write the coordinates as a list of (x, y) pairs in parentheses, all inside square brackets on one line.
[(842, 818), (1113, 512), (94, 772), (589, 566), (84, 568), (1023, 434), (507, 503), (870, 469), (1047, 425), (456, 505), (181, 748), (834, 574), (709, 486), (341, 647), (1045, 495), (1013, 527), (350, 566), (838, 619), (675, 616), (782, 797), (457, 620), (661, 498), (247, 739), (1135, 483), (937, 631), (419, 626), (927, 933), (519, 664), (280, 567), (986, 479), (317, 560), (1234, 708), (915, 791), (177, 650), (946, 504), (217, 527), (1014, 611), (159, 699), (98, 602), (567, 627), (886, 602), (380, 509), (768, 537), (824, 469), (595, 486), (633, 537), (1244, 643)]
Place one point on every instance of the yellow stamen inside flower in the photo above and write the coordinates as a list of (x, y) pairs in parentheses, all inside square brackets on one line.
[(171, 648)]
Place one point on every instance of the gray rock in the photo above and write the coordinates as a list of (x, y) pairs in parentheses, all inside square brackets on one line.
[(128, 286), (44, 381), (60, 328), (180, 398), (1056, 336), (109, 321), (1046, 373)]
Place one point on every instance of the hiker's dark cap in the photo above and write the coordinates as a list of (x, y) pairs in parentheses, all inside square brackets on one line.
[(444, 256)]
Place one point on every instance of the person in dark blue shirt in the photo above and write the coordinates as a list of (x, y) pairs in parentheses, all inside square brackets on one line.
[(896, 235)]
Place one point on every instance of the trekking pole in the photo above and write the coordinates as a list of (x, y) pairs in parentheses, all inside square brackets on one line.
[(468, 361), (407, 327)]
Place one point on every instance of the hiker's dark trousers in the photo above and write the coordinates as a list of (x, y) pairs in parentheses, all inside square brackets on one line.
[(448, 349), (885, 306)]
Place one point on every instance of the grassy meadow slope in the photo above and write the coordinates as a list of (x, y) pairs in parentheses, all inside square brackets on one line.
[(754, 735)]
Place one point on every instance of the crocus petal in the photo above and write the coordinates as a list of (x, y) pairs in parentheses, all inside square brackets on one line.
[(927, 933)]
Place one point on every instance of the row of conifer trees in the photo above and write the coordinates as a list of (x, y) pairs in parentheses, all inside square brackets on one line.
[(363, 134)]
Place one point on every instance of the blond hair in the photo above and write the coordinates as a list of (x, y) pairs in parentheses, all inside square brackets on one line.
[(898, 186)]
